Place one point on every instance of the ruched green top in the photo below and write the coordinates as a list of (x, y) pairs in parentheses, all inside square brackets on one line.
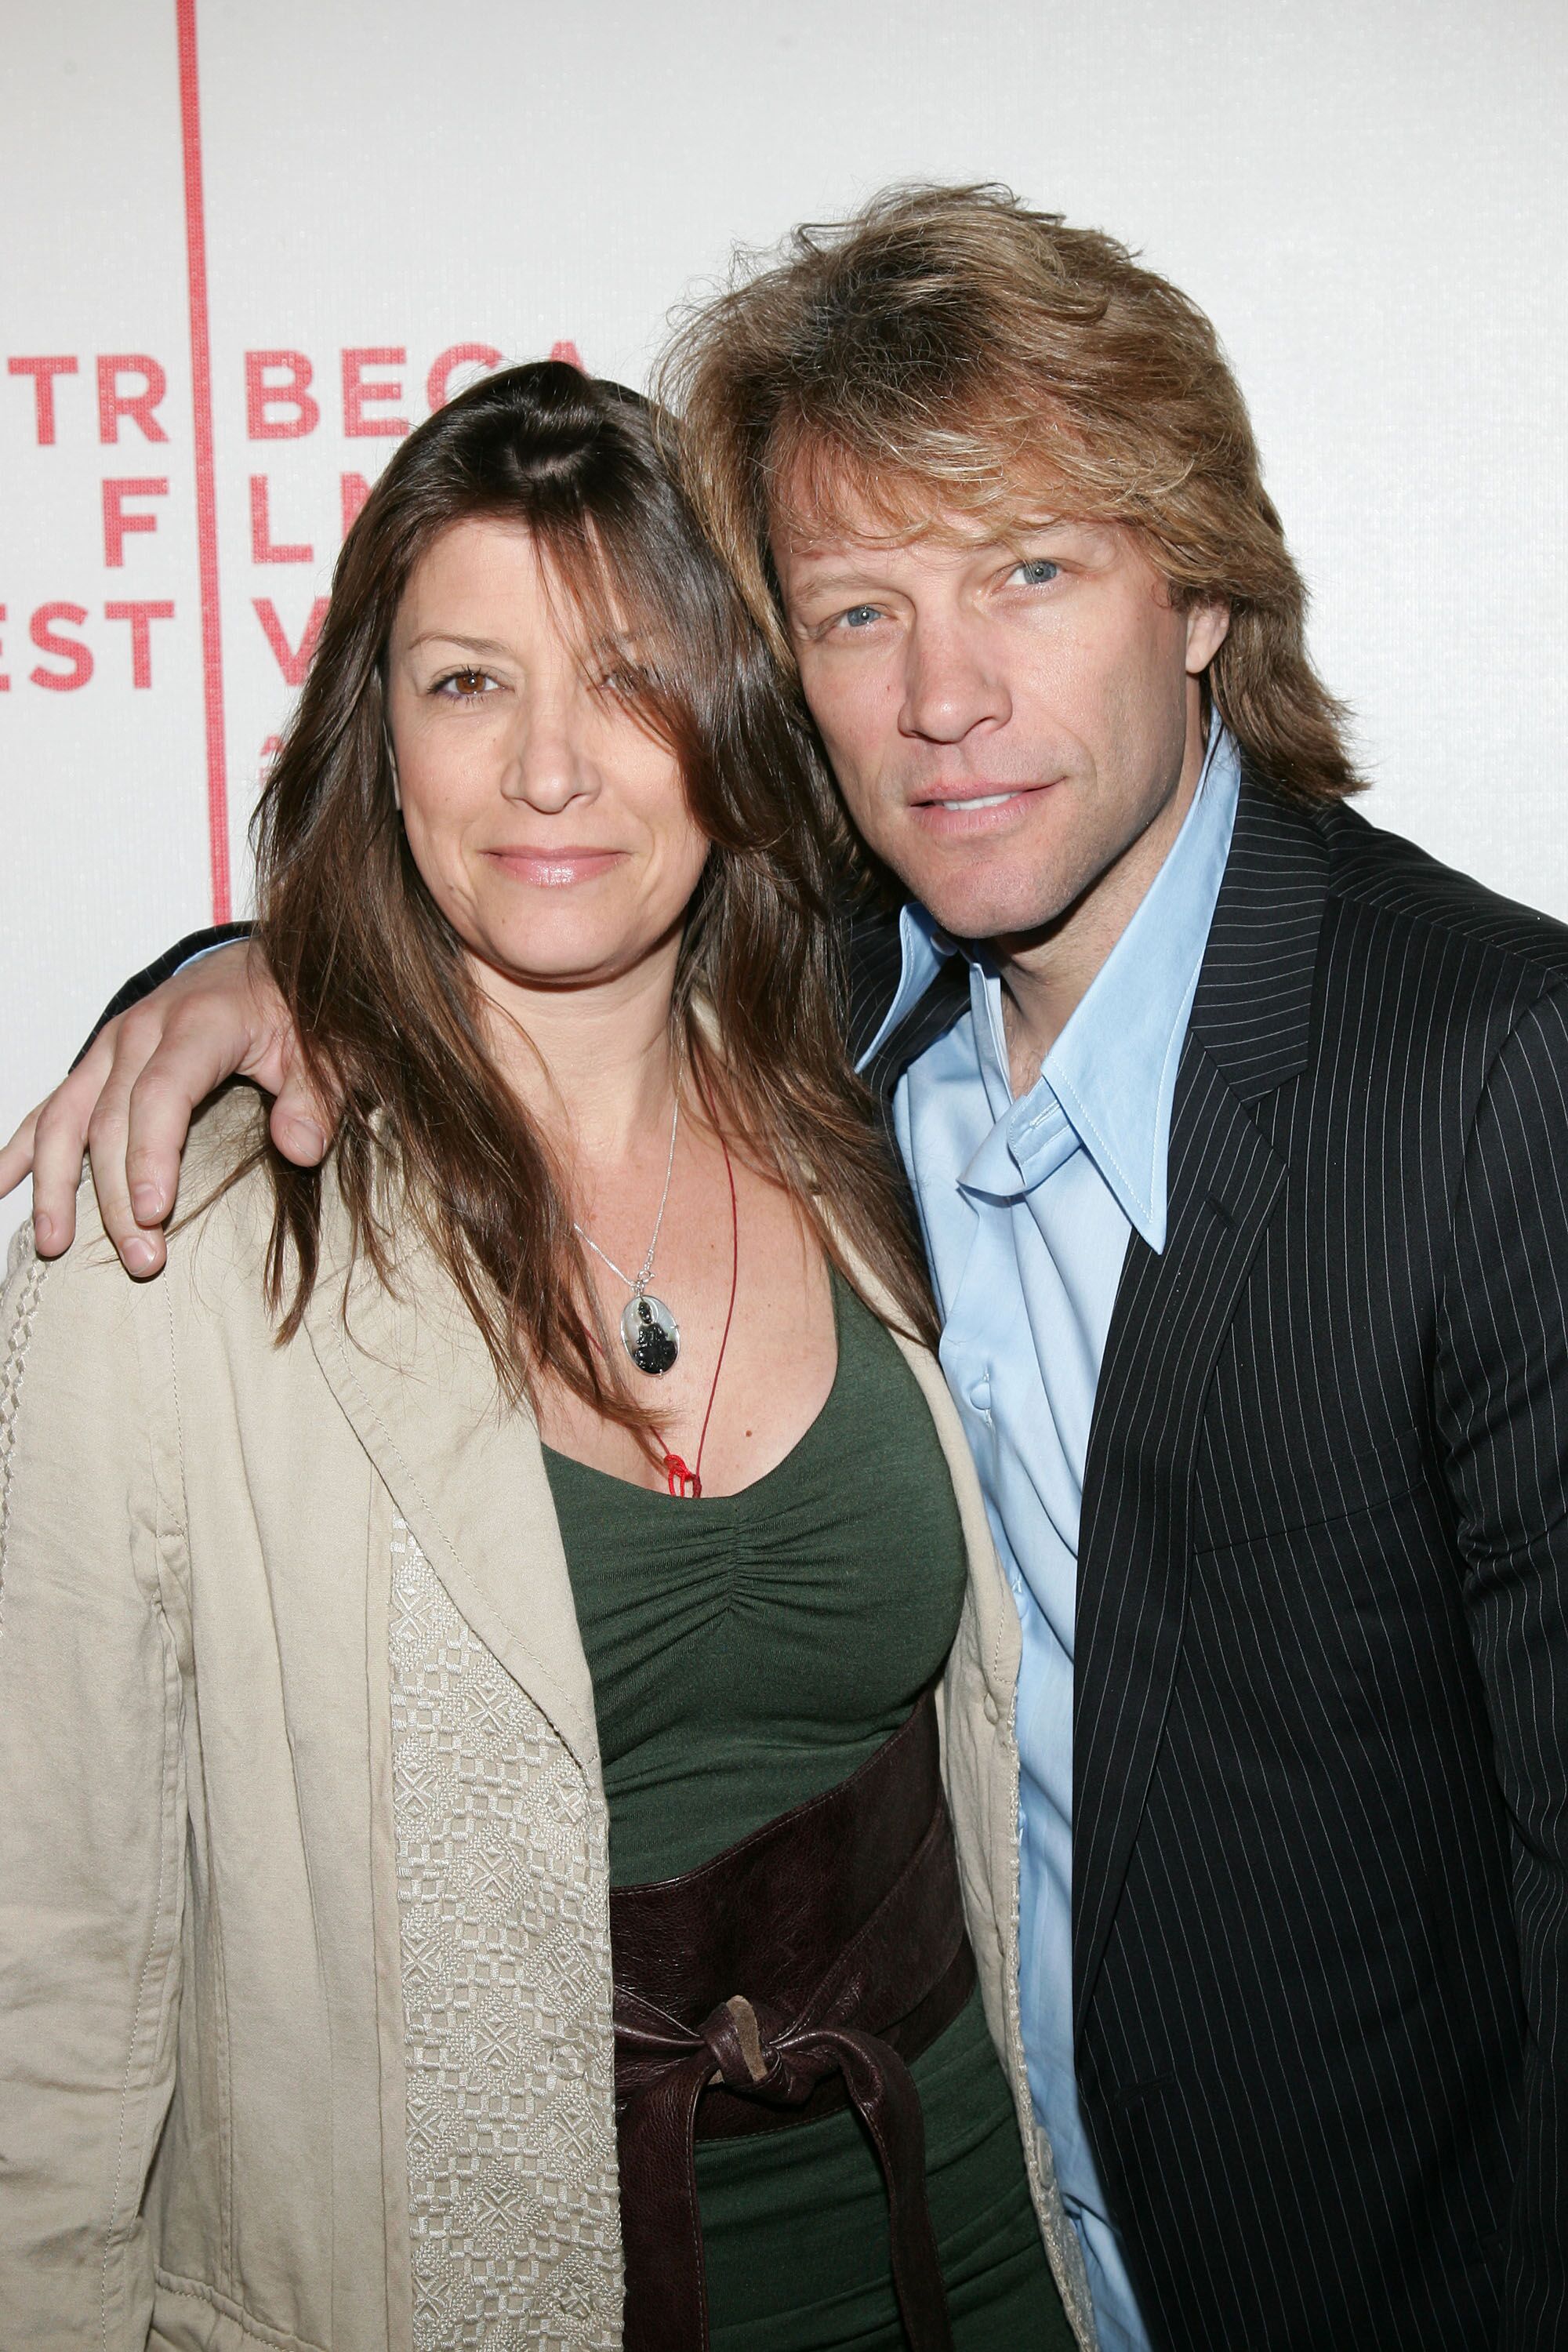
[(749, 1651)]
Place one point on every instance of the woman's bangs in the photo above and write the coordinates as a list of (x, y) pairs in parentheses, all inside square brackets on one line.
[(619, 607)]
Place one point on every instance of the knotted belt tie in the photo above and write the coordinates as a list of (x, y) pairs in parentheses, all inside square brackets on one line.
[(795, 1973)]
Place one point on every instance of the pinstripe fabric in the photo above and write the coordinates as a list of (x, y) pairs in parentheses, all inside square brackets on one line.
[(1321, 1864), (875, 957)]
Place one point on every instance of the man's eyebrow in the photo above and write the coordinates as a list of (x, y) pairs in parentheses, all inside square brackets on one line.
[(841, 578), (455, 637), (813, 562)]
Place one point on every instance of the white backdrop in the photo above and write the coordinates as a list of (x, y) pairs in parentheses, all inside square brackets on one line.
[(1367, 194)]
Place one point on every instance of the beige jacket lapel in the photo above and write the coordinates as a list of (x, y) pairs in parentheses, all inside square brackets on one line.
[(412, 1374)]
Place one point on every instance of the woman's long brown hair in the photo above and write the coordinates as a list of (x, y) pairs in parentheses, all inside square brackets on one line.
[(390, 1021)]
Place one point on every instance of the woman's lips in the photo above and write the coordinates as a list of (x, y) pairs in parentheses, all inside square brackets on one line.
[(555, 869)]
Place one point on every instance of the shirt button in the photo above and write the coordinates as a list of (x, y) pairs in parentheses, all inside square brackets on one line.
[(993, 1712)]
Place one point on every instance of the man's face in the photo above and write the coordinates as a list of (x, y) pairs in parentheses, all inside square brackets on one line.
[(1009, 722)]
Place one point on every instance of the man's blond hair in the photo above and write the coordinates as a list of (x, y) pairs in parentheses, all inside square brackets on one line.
[(948, 352)]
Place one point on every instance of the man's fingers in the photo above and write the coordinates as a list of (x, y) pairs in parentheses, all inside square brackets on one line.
[(60, 1138), (299, 1122), (162, 1095), (130, 1100), (17, 1155), (140, 1252)]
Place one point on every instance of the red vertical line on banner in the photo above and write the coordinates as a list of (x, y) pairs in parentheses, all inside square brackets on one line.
[(202, 408)]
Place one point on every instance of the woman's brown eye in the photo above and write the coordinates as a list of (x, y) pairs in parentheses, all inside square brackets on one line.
[(469, 683)]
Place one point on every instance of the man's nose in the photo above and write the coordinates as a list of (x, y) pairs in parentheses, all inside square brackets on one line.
[(949, 686)]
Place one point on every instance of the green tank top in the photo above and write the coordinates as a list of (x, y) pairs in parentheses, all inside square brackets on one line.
[(747, 1652)]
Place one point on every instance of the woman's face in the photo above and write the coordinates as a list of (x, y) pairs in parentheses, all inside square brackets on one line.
[(548, 825)]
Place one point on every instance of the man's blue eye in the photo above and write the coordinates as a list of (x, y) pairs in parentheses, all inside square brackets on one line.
[(1038, 571)]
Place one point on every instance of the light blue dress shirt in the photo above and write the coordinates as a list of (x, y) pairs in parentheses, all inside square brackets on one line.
[(1026, 1207)]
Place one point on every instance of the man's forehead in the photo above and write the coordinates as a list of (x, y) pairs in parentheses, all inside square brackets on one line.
[(824, 505), (940, 537)]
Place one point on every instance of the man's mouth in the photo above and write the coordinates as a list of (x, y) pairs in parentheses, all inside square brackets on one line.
[(975, 800), (961, 809)]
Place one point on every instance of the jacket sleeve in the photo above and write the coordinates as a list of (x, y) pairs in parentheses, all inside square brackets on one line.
[(91, 1806), (1501, 1404), (142, 984)]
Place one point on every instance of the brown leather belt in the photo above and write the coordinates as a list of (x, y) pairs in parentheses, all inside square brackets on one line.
[(797, 1972)]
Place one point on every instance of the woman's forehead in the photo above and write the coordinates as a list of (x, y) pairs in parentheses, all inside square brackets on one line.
[(503, 576)]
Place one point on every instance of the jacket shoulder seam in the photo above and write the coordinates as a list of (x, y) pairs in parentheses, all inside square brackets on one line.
[(1419, 907), (1552, 994)]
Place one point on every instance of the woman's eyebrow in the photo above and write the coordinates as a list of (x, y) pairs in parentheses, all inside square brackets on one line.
[(636, 644), (455, 638)]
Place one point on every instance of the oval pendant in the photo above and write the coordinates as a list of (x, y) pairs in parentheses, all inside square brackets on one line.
[(650, 1334)]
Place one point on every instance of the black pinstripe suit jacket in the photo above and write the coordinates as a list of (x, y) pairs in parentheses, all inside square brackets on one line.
[(1320, 1857)]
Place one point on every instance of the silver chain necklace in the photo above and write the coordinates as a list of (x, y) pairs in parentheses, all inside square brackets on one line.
[(649, 1332)]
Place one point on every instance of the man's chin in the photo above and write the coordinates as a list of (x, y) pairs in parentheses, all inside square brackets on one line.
[(971, 910), (982, 889)]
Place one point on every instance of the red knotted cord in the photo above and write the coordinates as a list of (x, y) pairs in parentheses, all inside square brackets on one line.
[(686, 1484)]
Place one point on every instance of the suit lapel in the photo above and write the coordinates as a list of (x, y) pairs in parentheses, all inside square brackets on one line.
[(1172, 1312), (944, 1001), (1249, 1034), (870, 932)]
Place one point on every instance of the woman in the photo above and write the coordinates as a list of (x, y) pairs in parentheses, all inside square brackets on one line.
[(523, 1544)]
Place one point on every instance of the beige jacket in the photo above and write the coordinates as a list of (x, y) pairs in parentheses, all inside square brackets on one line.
[(305, 1998)]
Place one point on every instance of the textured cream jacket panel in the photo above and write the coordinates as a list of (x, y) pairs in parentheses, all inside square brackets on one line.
[(305, 1996)]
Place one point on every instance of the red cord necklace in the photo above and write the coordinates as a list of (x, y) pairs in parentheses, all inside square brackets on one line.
[(685, 1483)]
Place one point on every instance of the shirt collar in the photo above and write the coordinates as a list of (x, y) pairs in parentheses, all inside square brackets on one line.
[(1108, 1084)]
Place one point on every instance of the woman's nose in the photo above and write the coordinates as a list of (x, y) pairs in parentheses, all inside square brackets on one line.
[(547, 765)]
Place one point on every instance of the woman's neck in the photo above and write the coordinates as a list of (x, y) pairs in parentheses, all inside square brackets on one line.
[(591, 1065)]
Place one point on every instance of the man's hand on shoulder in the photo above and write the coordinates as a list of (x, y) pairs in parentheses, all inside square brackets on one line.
[(130, 1101)]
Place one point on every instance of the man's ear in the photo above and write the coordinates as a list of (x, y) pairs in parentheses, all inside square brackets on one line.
[(1207, 628)]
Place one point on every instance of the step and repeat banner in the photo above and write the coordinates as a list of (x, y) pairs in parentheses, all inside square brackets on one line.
[(248, 244)]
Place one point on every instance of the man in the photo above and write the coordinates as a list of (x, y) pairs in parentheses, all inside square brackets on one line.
[(1236, 1131)]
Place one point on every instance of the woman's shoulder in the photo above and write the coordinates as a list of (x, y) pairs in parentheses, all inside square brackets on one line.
[(221, 1223)]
